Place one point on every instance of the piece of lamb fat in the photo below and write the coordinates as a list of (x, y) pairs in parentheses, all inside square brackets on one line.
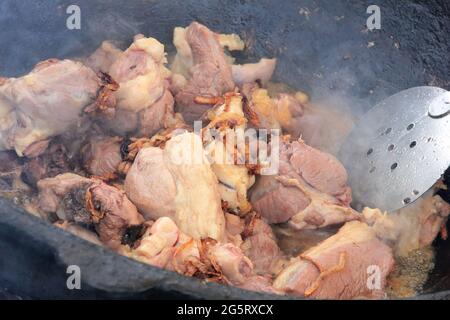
[(183, 59), (147, 86), (232, 42), (338, 267), (198, 210)]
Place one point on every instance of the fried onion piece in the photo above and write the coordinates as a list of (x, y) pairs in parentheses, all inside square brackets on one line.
[(124, 167), (250, 113), (323, 274), (208, 100), (250, 221), (105, 103), (109, 176), (198, 263), (93, 208)]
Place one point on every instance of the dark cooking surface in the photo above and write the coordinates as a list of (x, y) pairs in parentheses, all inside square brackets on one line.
[(311, 50)]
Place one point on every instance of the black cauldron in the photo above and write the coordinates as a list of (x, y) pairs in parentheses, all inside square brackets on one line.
[(312, 39)]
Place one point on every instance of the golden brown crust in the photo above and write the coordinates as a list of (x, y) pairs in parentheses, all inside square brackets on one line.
[(105, 101)]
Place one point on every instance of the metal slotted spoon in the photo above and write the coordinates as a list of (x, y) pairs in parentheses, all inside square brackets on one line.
[(399, 149)]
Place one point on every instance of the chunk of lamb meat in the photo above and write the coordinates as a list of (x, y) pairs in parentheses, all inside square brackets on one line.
[(171, 183), (210, 74), (102, 155), (284, 112), (234, 227), (220, 262), (338, 268), (144, 102), (90, 202), (261, 71), (47, 102), (163, 245), (50, 163), (257, 241), (413, 227), (159, 116), (184, 60), (261, 247), (157, 245), (310, 190), (238, 269)]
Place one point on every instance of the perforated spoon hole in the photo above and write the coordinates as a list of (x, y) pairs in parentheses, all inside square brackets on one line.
[(406, 200), (410, 126), (394, 166), (391, 147), (385, 132), (369, 152), (413, 144)]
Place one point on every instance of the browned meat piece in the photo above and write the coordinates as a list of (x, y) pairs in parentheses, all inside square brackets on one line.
[(234, 265), (104, 57), (320, 170), (53, 161), (435, 222), (214, 261), (102, 155), (116, 213), (235, 226), (52, 190), (260, 246), (413, 227), (150, 185), (177, 83), (257, 241), (156, 246), (165, 246), (161, 184), (284, 112), (251, 72), (310, 190), (36, 149), (147, 122), (353, 263), (144, 103), (44, 103), (90, 202), (277, 202), (158, 116), (210, 74), (141, 74)]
